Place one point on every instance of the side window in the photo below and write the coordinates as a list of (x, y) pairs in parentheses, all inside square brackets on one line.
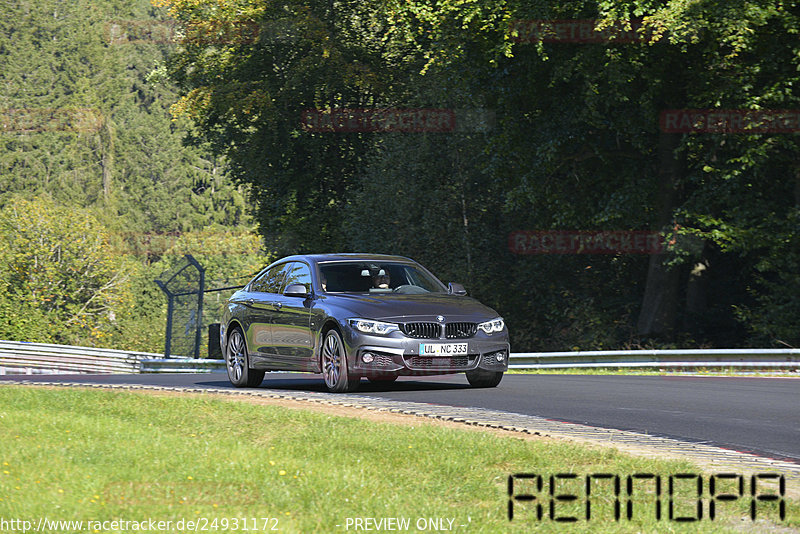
[(299, 273), (272, 280), (276, 277)]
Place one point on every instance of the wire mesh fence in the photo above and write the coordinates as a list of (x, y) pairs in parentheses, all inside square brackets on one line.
[(193, 310), (184, 285)]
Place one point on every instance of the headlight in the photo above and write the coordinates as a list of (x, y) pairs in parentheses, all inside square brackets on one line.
[(368, 326), (495, 325)]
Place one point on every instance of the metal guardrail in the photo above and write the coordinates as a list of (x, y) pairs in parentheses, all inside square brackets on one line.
[(18, 357), (175, 365), (679, 358), (35, 358)]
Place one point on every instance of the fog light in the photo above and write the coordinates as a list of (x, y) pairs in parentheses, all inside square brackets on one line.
[(367, 357), (500, 356)]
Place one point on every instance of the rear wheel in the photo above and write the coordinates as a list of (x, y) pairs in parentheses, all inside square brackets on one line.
[(236, 362), (334, 365), (480, 378)]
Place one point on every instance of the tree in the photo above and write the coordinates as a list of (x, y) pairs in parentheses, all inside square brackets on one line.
[(83, 121), (581, 145), (247, 100), (577, 146), (61, 280)]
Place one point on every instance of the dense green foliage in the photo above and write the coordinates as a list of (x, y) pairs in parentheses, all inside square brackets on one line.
[(114, 198), (80, 284), (576, 145), (57, 279), (127, 158)]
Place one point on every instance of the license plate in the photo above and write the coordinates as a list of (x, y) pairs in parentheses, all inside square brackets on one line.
[(443, 349)]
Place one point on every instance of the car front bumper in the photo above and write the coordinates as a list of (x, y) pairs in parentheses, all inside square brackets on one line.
[(397, 354)]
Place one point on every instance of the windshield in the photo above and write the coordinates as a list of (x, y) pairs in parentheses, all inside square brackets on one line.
[(377, 277)]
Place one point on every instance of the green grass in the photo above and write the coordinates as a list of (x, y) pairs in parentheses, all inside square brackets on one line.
[(74, 454)]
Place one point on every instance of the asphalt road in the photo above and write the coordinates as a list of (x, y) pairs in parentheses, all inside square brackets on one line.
[(756, 415)]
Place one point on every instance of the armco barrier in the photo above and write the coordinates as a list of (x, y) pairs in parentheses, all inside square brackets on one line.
[(681, 358), (41, 358), (181, 365)]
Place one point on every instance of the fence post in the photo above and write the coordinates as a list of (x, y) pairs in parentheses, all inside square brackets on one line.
[(167, 346), (198, 334)]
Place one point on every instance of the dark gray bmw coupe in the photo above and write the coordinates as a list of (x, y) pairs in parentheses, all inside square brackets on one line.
[(349, 316)]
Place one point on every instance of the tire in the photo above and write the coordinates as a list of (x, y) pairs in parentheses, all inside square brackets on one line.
[(479, 378), (333, 360), (236, 362)]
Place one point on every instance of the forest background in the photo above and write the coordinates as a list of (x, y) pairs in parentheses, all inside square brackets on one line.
[(133, 133)]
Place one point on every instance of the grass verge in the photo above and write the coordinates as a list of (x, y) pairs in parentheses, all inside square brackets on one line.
[(104, 456)]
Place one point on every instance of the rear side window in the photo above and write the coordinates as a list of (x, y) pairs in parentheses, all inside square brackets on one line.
[(258, 283)]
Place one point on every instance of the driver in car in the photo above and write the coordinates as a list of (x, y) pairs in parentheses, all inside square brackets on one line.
[(381, 280)]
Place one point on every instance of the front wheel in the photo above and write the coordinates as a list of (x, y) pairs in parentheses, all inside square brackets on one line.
[(334, 365), (480, 378), (239, 373)]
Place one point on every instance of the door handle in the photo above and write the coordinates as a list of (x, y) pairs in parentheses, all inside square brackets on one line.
[(278, 305)]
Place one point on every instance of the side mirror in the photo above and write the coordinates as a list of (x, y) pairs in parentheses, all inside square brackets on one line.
[(456, 289), (296, 290)]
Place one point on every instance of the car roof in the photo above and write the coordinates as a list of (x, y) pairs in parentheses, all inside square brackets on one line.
[(321, 258)]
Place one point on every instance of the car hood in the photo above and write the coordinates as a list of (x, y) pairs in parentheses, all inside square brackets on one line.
[(400, 308)]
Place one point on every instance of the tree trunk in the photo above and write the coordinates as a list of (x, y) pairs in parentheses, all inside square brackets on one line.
[(797, 185), (697, 295), (107, 159), (462, 181), (660, 302)]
